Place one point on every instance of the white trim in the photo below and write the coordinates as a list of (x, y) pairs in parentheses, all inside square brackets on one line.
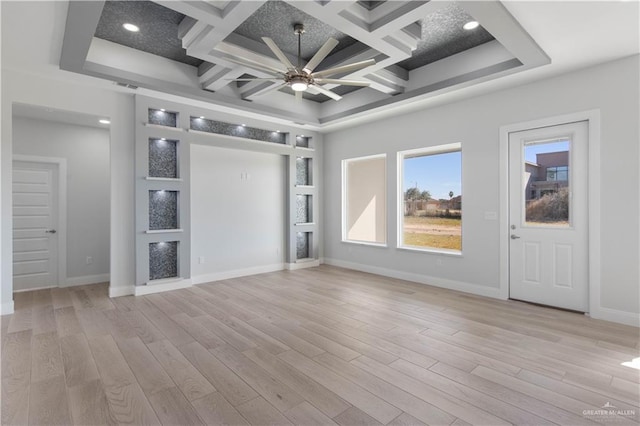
[(85, 280), (304, 264), (161, 179), (479, 290), (47, 287), (6, 308), (121, 291), (141, 290), (160, 126), (614, 315), (593, 119), (236, 273), (62, 207)]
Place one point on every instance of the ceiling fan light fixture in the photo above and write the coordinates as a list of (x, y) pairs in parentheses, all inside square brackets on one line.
[(298, 84)]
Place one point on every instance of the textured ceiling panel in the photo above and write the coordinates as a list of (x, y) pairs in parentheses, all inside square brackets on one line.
[(158, 29), (276, 18), (443, 36)]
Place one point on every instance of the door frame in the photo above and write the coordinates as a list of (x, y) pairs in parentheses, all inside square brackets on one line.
[(592, 117), (61, 164)]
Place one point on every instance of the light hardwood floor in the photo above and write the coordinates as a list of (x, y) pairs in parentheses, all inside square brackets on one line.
[(321, 346)]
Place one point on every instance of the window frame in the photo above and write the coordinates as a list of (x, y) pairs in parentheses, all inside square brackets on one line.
[(420, 152), (345, 185)]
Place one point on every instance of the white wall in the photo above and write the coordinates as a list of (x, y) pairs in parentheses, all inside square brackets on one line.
[(237, 212), (82, 95), (86, 150), (613, 88)]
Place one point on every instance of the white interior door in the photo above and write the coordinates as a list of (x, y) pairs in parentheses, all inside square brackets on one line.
[(35, 238), (548, 251)]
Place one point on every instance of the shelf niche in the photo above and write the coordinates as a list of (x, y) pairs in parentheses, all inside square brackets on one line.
[(303, 209), (163, 118), (163, 210), (163, 158), (163, 260), (303, 171), (303, 141), (303, 245)]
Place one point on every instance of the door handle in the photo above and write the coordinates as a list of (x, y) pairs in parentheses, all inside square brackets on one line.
[(514, 237), (50, 231)]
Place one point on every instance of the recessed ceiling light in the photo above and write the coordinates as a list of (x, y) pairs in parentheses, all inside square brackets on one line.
[(277, 131), (471, 25), (243, 124), (104, 121), (202, 117), (162, 109), (131, 27)]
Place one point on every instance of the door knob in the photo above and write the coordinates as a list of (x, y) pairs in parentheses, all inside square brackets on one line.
[(514, 237), (50, 231)]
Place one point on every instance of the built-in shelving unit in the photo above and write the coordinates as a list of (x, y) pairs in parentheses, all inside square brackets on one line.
[(164, 134), (162, 195)]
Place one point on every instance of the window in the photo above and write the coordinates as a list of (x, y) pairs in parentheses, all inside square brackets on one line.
[(558, 173), (364, 200), (430, 198)]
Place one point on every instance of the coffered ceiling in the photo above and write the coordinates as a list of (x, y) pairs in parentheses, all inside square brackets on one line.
[(197, 48)]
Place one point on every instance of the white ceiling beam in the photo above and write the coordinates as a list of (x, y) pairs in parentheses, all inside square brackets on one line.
[(503, 26)]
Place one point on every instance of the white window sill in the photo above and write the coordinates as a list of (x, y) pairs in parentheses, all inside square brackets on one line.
[(364, 243), (452, 253)]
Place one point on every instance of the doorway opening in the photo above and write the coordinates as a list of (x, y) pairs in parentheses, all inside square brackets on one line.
[(61, 198)]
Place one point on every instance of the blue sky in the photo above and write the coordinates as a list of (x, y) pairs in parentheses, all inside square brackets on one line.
[(530, 151), (437, 174)]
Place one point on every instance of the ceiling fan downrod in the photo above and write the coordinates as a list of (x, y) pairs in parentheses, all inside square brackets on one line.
[(299, 30)]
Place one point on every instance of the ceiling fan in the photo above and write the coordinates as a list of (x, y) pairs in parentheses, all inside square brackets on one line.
[(300, 78)]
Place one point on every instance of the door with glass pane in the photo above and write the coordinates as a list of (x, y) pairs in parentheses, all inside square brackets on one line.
[(548, 250)]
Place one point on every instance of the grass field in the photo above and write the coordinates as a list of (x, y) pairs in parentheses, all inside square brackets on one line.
[(437, 221), (433, 232)]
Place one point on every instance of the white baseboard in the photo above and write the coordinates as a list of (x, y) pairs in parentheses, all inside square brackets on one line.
[(35, 288), (86, 279), (121, 290), (141, 290), (614, 315), (302, 265), (236, 273), (479, 290), (6, 308)]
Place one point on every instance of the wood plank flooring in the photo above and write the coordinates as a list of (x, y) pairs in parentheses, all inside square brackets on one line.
[(321, 346)]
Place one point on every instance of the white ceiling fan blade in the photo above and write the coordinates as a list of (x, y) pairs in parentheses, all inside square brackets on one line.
[(342, 82), (270, 89), (255, 79), (344, 68), (326, 48), (255, 65), (328, 93), (279, 54)]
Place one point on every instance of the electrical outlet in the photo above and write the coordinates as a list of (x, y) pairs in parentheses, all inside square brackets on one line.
[(201, 260), (89, 260)]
